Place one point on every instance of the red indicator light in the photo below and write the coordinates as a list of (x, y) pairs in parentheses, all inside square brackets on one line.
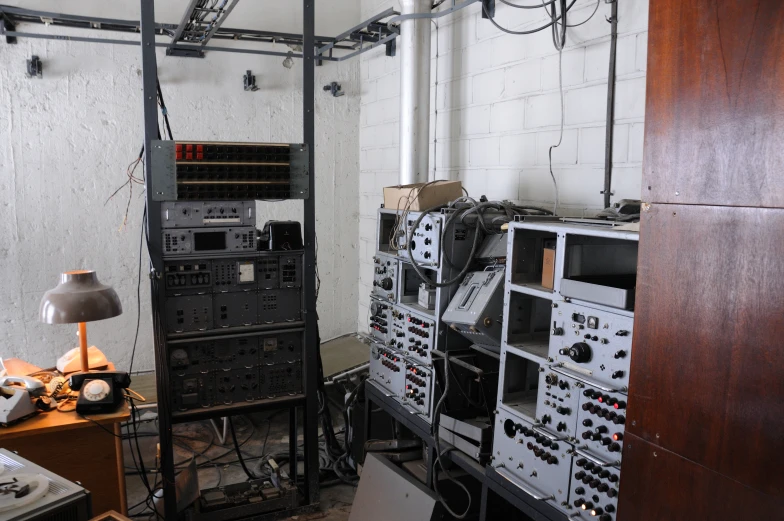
[(189, 155), (617, 436), (199, 155), (200, 148), (189, 148), (600, 399), (179, 154)]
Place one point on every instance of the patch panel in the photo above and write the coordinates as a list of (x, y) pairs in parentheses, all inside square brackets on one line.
[(418, 388), (281, 380), (387, 369)]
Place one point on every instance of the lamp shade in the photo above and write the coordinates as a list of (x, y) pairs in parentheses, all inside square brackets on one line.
[(79, 297)]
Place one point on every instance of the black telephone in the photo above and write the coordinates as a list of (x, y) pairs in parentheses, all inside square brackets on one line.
[(100, 392)]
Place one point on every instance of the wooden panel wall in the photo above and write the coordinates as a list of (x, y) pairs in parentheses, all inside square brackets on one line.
[(714, 123), (706, 395)]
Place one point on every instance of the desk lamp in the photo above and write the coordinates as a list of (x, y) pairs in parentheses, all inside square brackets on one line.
[(79, 298)]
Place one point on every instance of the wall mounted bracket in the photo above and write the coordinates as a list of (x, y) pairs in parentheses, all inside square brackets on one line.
[(35, 68)]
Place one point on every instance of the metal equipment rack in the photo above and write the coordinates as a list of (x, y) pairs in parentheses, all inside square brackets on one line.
[(489, 479), (306, 402)]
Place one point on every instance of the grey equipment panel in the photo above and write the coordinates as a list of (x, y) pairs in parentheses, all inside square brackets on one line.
[(237, 386), (280, 348), (592, 344), (189, 313), (536, 463), (380, 320), (279, 306), (594, 489), (601, 422), (291, 270), (193, 390), (197, 214), (622, 298), (417, 334), (418, 387), (268, 266), (387, 369), (235, 309), (385, 276), (187, 277), (208, 241), (558, 403), (425, 240), (211, 355), (281, 379), (233, 275), (476, 310), (164, 177), (388, 493)]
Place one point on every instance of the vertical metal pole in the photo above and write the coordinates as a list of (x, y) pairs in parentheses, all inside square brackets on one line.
[(310, 420), (608, 143), (153, 210), (293, 444)]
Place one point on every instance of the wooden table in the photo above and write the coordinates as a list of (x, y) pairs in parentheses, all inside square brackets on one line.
[(78, 450)]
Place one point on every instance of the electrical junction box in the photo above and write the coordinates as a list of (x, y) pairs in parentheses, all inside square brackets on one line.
[(476, 310)]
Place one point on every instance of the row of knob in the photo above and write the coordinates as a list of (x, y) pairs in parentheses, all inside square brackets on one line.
[(391, 366), (598, 470), (418, 332), (182, 280), (617, 419), (542, 454), (595, 511), (414, 394), (604, 398), (606, 441)]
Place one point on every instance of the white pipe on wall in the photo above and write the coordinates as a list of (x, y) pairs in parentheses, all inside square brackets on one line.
[(414, 47)]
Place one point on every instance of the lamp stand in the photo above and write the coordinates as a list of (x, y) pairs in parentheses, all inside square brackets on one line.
[(83, 347)]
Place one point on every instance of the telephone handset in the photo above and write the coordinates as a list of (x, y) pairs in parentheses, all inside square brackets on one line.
[(99, 392)]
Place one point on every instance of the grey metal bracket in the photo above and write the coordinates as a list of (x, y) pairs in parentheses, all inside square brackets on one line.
[(488, 8), (249, 81), (164, 180), (334, 88), (35, 68), (7, 25)]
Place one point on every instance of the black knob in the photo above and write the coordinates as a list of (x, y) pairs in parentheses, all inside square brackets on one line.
[(617, 374), (597, 511), (587, 435), (619, 420), (563, 410), (579, 490), (614, 447), (386, 284), (560, 427), (546, 419), (587, 422), (601, 428), (581, 462), (563, 385), (586, 406), (588, 465), (596, 436), (612, 492), (604, 474), (578, 502), (588, 393), (609, 508), (547, 442), (595, 483), (595, 394), (587, 505), (613, 478), (580, 353), (620, 404), (596, 470), (587, 479), (606, 441), (603, 487), (620, 354), (552, 460), (605, 517)]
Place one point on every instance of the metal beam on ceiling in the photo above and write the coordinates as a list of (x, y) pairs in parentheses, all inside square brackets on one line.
[(198, 25)]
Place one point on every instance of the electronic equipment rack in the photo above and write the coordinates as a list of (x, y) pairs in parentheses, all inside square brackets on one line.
[(234, 328)]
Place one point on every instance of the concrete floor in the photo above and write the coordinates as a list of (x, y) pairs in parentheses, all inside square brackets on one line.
[(266, 433)]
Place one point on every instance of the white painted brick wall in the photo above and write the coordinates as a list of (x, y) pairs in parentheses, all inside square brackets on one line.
[(498, 108), (65, 142)]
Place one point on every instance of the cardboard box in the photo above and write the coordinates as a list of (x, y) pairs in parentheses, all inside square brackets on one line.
[(439, 193), (548, 267)]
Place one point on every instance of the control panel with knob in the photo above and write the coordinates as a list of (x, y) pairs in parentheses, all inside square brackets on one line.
[(418, 385), (593, 491), (425, 240), (414, 335), (385, 277), (387, 369), (557, 404), (525, 454), (380, 323), (601, 418), (595, 343)]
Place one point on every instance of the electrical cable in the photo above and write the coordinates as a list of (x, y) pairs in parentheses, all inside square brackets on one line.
[(237, 449), (518, 6), (560, 138), (595, 9), (531, 31)]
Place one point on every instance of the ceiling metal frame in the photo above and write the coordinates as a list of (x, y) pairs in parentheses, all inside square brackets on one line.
[(357, 40)]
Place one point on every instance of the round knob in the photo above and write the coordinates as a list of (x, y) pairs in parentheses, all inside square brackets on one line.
[(601, 428), (614, 447), (579, 475), (386, 284), (587, 505), (603, 487), (595, 483), (612, 492), (552, 460), (580, 353), (605, 517), (579, 490), (563, 410), (375, 309)]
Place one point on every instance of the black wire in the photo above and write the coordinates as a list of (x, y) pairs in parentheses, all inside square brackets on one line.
[(531, 31), (237, 449), (510, 4), (139, 289)]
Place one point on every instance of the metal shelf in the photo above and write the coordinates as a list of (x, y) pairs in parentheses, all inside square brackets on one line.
[(237, 408)]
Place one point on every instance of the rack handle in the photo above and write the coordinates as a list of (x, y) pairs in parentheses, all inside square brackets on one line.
[(531, 492), (560, 370)]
